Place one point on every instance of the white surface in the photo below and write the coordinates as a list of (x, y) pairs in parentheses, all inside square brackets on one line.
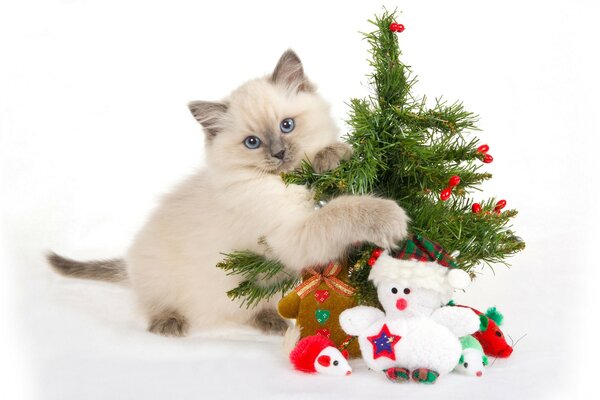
[(94, 128)]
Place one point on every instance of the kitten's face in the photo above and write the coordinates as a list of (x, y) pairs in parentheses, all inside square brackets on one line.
[(269, 124)]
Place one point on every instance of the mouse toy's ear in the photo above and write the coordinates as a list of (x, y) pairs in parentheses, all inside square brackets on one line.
[(210, 115), (289, 72), (324, 360)]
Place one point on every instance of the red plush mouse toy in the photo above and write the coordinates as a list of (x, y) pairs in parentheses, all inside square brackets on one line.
[(319, 354), (490, 336)]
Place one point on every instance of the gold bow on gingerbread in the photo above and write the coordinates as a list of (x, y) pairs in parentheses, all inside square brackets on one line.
[(329, 277)]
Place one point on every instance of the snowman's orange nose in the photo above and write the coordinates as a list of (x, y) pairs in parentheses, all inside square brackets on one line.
[(401, 304)]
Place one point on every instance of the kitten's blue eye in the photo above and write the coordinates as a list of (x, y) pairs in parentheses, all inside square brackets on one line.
[(287, 125), (252, 142)]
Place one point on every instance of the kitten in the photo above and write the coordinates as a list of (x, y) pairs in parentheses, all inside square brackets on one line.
[(239, 201)]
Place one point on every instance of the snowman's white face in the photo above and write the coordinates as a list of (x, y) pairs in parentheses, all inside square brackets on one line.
[(471, 363), (331, 362), (402, 301)]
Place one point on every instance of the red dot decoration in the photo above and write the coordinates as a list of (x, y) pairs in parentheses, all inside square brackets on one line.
[(395, 27), (445, 194), (454, 181), (500, 205), (484, 148)]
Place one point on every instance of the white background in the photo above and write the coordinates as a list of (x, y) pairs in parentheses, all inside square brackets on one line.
[(94, 128)]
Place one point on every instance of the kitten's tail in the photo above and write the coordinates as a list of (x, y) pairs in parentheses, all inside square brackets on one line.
[(101, 270)]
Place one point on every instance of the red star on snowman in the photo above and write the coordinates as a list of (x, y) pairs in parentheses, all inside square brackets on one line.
[(383, 343)]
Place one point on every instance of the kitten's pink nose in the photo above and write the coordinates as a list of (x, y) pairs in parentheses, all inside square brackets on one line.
[(401, 304), (479, 373), (348, 372)]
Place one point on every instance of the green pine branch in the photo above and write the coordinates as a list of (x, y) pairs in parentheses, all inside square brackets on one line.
[(261, 278)]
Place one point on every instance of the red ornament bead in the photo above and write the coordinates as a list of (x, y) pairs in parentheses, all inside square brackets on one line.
[(394, 27), (500, 205), (445, 194), (455, 180), (400, 28), (488, 159), (484, 148), (371, 261), (376, 253), (476, 208)]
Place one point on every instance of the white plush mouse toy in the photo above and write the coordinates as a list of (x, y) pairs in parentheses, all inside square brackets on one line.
[(472, 360), (319, 354), (417, 337)]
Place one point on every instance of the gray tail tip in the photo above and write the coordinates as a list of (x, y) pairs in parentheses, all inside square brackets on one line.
[(58, 263), (112, 270)]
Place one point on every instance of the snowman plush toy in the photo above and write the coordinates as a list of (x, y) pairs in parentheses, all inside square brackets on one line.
[(417, 337)]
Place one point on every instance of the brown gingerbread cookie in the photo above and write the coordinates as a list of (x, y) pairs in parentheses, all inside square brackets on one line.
[(316, 305)]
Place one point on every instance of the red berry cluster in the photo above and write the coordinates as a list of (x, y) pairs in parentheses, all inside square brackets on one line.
[(445, 194), (476, 207), (483, 149), (374, 256), (394, 27)]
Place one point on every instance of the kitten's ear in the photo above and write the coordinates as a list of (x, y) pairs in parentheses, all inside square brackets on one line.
[(210, 115), (289, 72)]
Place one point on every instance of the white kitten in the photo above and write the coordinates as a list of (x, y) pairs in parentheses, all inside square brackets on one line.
[(265, 127)]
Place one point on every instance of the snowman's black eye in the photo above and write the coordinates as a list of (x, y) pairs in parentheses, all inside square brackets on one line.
[(394, 290), (498, 333), (406, 291), (336, 363), (466, 365)]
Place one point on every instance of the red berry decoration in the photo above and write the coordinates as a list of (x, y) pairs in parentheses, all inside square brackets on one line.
[(394, 27), (376, 253), (371, 261), (445, 194), (454, 181), (476, 208), (500, 205), (488, 159), (484, 148)]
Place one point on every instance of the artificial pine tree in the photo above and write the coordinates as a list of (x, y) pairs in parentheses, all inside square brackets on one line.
[(423, 157)]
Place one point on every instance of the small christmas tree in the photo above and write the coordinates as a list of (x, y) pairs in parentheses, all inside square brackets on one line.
[(424, 158)]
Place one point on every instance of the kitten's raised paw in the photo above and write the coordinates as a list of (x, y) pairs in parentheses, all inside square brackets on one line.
[(329, 158), (269, 321), (169, 323), (386, 223)]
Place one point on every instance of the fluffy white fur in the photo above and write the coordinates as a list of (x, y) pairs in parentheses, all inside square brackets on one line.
[(423, 344), (459, 320), (427, 275), (356, 320)]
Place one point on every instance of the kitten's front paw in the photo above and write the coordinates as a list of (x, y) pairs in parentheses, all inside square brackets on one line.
[(387, 223), (329, 158)]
